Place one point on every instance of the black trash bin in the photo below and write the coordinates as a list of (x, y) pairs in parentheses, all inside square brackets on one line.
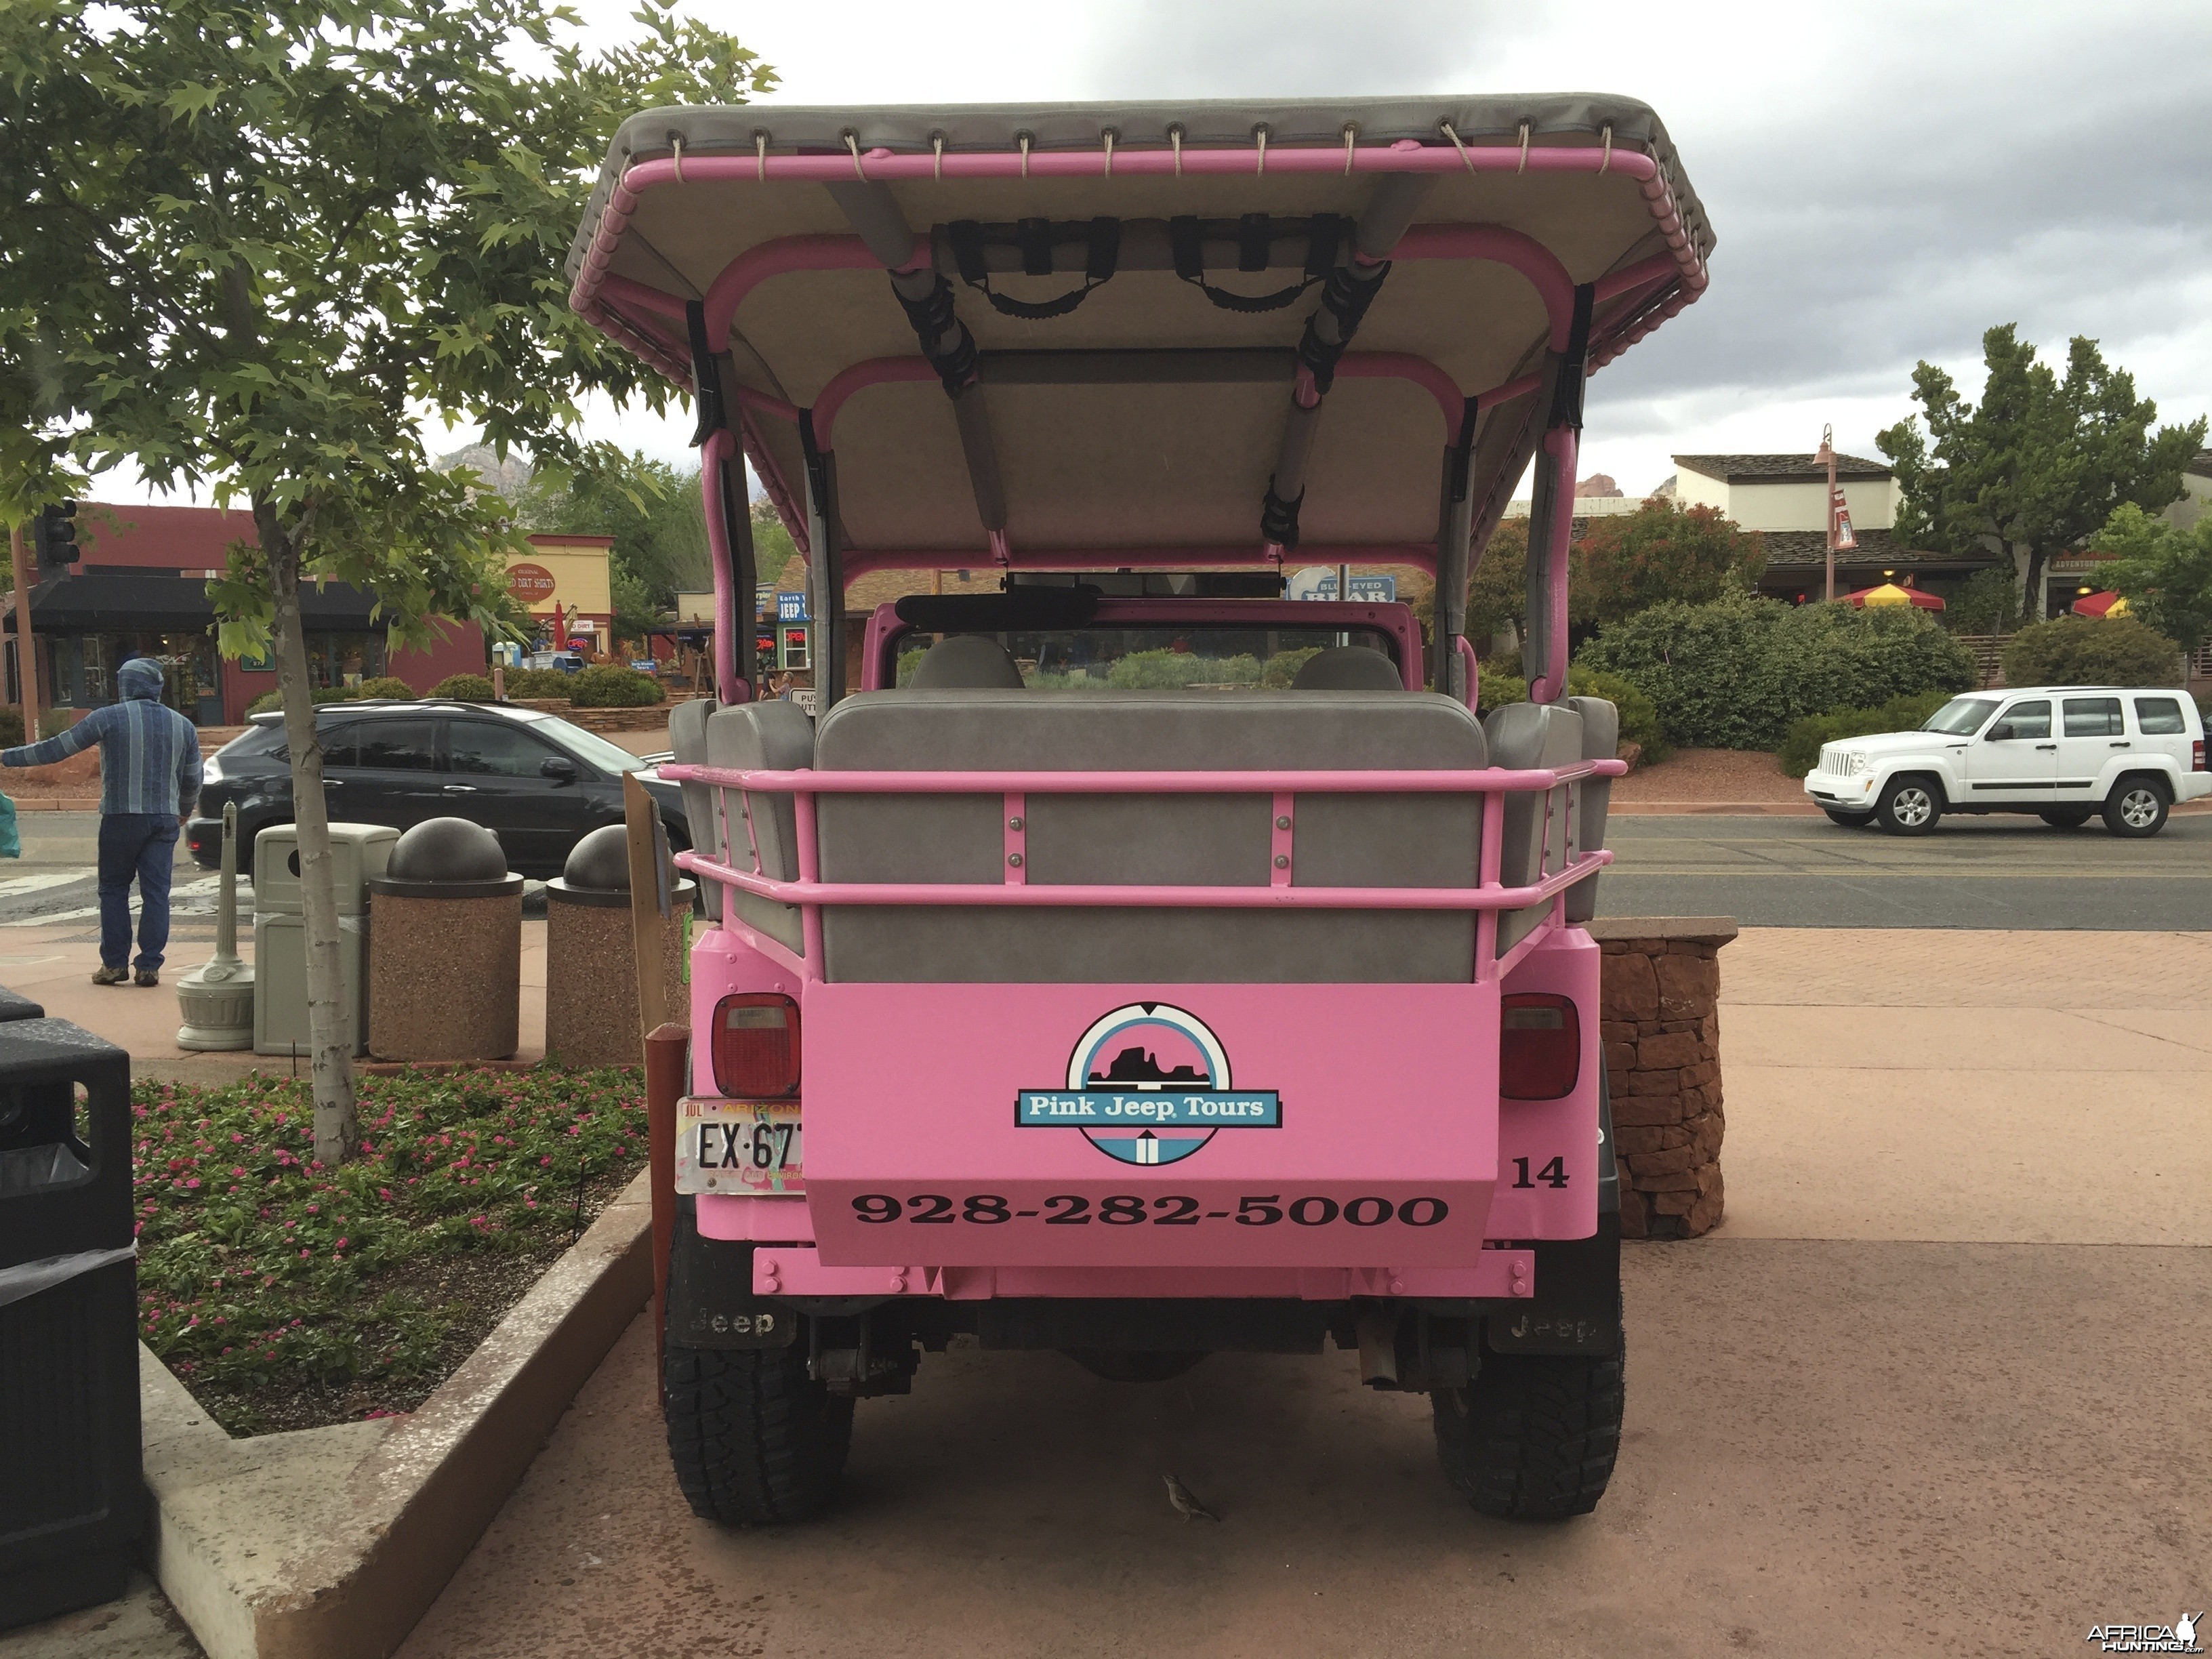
[(73, 1503)]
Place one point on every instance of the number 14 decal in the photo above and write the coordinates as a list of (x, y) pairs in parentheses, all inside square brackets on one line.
[(1552, 1175)]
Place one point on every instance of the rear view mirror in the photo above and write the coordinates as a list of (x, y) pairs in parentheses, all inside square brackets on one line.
[(1998, 733), (559, 769)]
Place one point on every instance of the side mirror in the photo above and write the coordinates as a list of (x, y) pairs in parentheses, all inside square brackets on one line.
[(1998, 733), (558, 768)]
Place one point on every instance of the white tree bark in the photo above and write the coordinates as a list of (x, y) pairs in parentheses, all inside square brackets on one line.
[(337, 1125)]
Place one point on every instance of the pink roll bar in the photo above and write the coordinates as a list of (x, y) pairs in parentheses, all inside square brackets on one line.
[(1485, 781)]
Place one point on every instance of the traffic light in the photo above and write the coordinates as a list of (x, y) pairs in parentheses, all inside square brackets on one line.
[(53, 534)]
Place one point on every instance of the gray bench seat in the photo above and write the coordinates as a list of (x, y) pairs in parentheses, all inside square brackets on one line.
[(1389, 841)]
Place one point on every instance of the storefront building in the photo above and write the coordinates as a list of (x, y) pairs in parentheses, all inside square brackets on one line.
[(565, 584), (139, 589)]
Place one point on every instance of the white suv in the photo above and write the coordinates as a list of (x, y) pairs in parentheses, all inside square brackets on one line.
[(2060, 751)]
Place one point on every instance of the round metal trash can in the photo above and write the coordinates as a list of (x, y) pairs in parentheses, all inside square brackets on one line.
[(445, 981), (591, 959)]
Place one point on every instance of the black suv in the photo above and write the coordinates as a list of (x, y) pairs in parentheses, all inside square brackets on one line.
[(539, 782)]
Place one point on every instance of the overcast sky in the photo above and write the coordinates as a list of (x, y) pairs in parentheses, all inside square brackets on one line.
[(1887, 179)]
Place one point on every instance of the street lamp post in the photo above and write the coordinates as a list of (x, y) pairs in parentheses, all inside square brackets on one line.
[(1828, 454)]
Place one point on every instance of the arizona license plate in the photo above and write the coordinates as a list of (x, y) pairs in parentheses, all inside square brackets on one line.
[(738, 1146)]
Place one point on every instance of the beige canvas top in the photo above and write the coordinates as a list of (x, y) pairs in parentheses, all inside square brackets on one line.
[(1126, 465)]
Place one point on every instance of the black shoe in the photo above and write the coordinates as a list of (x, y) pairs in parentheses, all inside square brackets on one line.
[(148, 975)]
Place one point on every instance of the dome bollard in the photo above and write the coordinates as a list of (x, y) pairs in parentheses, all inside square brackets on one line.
[(445, 978), (592, 1015)]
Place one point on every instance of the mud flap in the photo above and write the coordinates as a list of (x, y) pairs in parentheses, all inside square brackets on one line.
[(1577, 1307), (711, 1303)]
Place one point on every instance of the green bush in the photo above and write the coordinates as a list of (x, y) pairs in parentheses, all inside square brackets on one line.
[(546, 683), (1736, 672), (463, 687), (384, 685), (606, 686), (1283, 667), (270, 702), (1800, 750), (1639, 721), (11, 728), (1171, 671), (2083, 651)]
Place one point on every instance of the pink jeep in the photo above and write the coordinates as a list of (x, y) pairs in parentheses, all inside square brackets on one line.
[(1139, 964)]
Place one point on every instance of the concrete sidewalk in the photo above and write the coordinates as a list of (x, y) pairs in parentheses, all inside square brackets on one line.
[(1934, 1388), (53, 964)]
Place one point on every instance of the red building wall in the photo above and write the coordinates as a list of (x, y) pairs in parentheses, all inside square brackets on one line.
[(196, 541)]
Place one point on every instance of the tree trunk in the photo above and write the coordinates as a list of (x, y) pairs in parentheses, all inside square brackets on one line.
[(2028, 578), (337, 1126)]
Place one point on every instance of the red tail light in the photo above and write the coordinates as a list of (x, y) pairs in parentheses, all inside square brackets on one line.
[(2196, 755), (1539, 1047), (755, 1046)]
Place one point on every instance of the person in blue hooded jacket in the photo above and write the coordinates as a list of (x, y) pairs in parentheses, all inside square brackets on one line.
[(149, 780)]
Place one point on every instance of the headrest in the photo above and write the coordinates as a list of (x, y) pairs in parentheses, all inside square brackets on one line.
[(1347, 668), (966, 662)]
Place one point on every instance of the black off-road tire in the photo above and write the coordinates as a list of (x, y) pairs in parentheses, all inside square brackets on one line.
[(1534, 1437), (2138, 805), (1909, 804), (755, 1441), (2067, 817)]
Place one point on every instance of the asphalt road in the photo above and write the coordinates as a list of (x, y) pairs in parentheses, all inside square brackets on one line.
[(1998, 871), (1765, 871)]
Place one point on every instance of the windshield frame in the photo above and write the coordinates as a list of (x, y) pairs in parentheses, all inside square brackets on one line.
[(1394, 621)]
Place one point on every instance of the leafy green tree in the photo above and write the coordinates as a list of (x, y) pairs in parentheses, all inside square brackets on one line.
[(1663, 551), (2039, 464), (287, 234), (773, 548), (2083, 651), (2164, 572), (654, 513)]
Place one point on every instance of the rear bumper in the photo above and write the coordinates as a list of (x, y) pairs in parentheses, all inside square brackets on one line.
[(798, 1270)]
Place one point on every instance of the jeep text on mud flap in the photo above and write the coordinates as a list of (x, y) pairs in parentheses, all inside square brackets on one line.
[(1137, 964)]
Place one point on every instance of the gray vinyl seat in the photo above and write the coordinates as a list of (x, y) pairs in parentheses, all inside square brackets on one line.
[(1347, 668), (1525, 735), (1213, 840), (965, 662), (774, 735), (687, 737), (1600, 741)]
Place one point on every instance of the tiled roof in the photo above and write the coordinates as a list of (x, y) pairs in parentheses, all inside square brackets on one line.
[(2202, 466), (1770, 469), (1808, 549)]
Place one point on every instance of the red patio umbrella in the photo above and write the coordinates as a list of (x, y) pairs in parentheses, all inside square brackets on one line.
[(2107, 604), (1890, 595)]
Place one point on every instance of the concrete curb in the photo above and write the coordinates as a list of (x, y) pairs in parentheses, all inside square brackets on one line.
[(331, 1543)]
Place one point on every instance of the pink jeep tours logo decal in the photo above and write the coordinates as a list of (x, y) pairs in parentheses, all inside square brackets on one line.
[(1148, 1084)]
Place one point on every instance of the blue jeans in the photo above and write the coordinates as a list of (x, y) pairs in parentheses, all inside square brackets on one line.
[(143, 846)]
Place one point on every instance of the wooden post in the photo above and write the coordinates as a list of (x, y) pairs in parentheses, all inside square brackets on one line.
[(650, 882), (27, 654), (666, 1052)]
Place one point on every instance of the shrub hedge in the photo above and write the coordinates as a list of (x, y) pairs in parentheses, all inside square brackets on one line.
[(1736, 672), (538, 682), (1800, 750), (384, 685), (2083, 651), (269, 701), (609, 685), (464, 688)]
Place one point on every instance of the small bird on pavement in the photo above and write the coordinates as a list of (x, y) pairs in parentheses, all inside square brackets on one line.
[(1186, 1502)]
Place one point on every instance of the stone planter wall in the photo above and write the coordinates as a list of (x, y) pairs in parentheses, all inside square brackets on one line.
[(1660, 1021)]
